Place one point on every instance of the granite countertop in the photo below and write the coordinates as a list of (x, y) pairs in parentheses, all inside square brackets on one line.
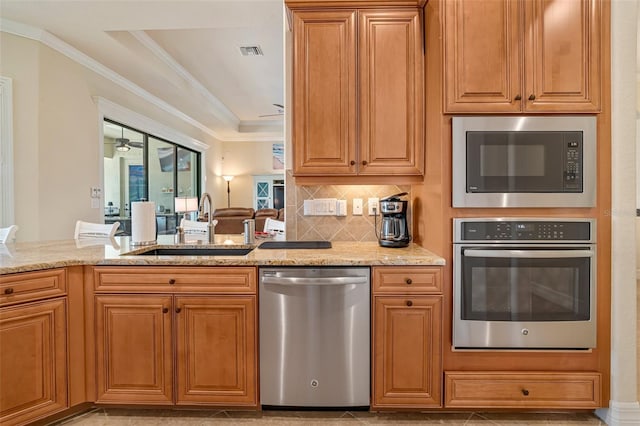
[(31, 256)]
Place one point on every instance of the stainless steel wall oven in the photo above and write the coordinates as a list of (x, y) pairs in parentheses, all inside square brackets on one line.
[(524, 283)]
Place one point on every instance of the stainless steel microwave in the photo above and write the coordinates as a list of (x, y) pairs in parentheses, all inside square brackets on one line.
[(524, 161)]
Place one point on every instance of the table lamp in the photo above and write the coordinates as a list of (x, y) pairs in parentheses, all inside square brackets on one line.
[(186, 205)]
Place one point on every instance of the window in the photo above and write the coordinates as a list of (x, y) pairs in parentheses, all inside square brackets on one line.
[(139, 166)]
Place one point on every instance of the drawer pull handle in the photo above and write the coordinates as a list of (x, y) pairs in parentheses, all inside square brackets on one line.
[(178, 310), (8, 290), (518, 97), (408, 280), (364, 162), (525, 392), (165, 310), (172, 281), (409, 303), (352, 162), (532, 97)]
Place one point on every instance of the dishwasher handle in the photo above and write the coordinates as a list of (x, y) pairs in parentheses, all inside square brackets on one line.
[(314, 281)]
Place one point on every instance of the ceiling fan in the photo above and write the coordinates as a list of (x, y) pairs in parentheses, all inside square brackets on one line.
[(280, 109), (124, 144)]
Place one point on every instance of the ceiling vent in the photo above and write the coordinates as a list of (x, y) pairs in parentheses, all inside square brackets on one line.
[(251, 51)]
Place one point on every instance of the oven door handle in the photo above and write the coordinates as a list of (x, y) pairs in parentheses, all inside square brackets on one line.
[(531, 254)]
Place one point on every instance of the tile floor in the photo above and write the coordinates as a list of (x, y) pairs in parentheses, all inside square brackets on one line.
[(131, 417)]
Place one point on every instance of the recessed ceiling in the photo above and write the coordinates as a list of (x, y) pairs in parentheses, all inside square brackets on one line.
[(185, 53)]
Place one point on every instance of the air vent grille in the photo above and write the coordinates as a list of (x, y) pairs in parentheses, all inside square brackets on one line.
[(251, 51)]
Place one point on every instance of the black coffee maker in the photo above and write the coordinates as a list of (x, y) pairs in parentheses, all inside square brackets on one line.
[(394, 229)]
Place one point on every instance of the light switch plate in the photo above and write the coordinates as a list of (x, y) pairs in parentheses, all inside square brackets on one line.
[(341, 208), (357, 206)]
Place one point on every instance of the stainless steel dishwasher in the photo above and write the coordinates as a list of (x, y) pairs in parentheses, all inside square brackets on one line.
[(314, 337)]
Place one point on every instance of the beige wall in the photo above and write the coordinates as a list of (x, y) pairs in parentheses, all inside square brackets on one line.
[(243, 160), (56, 137)]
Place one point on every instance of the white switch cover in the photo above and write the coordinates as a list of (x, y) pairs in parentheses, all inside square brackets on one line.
[(357, 206), (341, 208), (373, 206)]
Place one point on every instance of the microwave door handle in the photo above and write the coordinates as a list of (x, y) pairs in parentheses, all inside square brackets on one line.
[(531, 254)]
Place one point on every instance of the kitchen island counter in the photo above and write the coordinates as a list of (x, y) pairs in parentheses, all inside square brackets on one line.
[(31, 256)]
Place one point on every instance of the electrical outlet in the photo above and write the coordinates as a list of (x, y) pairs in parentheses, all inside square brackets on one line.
[(357, 206), (96, 192), (373, 206)]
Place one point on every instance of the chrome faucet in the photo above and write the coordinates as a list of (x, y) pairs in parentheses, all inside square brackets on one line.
[(210, 225)]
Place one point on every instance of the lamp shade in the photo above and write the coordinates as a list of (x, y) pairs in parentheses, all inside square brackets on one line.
[(228, 178), (186, 204)]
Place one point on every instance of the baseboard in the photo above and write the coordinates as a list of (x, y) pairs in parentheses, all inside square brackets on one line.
[(620, 413)]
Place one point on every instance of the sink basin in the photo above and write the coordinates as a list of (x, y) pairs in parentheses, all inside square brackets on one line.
[(196, 251)]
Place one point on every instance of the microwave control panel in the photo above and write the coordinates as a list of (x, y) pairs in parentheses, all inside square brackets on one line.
[(573, 160)]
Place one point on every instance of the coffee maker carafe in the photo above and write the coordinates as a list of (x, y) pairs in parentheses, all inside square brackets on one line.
[(394, 230)]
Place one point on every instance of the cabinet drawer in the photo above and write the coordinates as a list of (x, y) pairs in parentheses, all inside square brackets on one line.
[(175, 280), (570, 390), (27, 286), (414, 279)]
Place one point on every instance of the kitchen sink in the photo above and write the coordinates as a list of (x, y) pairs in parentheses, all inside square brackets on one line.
[(196, 251)]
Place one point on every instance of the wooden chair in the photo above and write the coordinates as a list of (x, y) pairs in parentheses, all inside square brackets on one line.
[(8, 234), (95, 230)]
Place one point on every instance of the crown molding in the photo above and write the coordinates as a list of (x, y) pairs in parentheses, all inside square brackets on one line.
[(220, 109), (74, 54)]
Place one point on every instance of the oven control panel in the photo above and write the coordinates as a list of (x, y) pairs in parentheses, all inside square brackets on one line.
[(526, 230)]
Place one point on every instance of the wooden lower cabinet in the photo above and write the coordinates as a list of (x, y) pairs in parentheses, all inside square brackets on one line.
[(33, 361), (216, 350), (495, 389), (134, 349), (407, 341), (161, 341)]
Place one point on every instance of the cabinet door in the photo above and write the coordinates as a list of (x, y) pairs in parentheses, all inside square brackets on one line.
[(134, 349), (216, 346), (33, 361), (562, 55), (391, 92), (407, 352), (324, 93), (482, 56)]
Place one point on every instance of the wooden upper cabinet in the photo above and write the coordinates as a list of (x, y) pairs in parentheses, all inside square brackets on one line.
[(358, 92), (324, 92), (522, 56), (391, 93), (562, 55)]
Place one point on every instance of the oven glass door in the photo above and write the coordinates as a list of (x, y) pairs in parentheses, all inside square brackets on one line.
[(521, 162), (526, 285)]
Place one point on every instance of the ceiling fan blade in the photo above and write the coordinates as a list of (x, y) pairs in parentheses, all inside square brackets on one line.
[(135, 144), (278, 106)]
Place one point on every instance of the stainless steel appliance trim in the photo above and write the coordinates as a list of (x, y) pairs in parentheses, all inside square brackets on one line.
[(531, 254), (314, 281), (462, 124)]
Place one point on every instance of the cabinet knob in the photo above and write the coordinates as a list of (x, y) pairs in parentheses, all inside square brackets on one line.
[(517, 98), (178, 310), (172, 281), (364, 162), (525, 392), (8, 290), (408, 280), (532, 97), (409, 303), (165, 310), (352, 162)]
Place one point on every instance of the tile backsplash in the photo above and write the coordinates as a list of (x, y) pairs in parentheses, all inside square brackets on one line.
[(334, 228)]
